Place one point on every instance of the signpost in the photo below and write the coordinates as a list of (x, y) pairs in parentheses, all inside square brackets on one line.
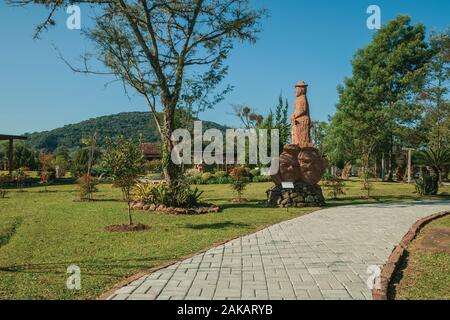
[(287, 185)]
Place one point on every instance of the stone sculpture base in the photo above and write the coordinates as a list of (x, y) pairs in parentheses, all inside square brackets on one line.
[(303, 195)]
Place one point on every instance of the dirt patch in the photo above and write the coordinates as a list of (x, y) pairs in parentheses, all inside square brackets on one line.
[(242, 200), (127, 227), (434, 240), (398, 256)]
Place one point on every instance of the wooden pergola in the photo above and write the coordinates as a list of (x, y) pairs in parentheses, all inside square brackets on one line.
[(11, 148)]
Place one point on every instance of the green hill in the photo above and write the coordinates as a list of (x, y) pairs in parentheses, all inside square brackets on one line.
[(128, 124)]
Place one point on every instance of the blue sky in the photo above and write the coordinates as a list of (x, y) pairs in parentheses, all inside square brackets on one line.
[(302, 40)]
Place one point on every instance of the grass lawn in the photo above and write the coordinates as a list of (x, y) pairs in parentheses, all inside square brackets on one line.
[(425, 273), (41, 234)]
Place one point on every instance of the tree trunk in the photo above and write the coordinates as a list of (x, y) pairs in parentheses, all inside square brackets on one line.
[(445, 172), (389, 177), (346, 171), (130, 218), (171, 171)]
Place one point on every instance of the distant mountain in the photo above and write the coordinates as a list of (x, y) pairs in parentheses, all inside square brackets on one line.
[(128, 124)]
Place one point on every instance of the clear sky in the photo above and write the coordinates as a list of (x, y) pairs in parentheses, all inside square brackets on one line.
[(311, 40)]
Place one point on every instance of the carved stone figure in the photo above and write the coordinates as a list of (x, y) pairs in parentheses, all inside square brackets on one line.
[(300, 162), (312, 165), (300, 120), (289, 169)]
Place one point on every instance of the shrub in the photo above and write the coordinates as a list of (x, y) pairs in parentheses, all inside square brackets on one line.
[(220, 174), (206, 176), (154, 166), (245, 171), (427, 184), (435, 159), (223, 180), (19, 177), (254, 172), (182, 195), (259, 178), (193, 176), (177, 194), (87, 186), (144, 192)]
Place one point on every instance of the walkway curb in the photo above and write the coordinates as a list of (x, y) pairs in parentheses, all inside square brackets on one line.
[(394, 259)]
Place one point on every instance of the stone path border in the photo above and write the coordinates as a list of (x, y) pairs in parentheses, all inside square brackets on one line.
[(396, 256)]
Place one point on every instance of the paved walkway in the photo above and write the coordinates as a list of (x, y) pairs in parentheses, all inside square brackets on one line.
[(323, 255)]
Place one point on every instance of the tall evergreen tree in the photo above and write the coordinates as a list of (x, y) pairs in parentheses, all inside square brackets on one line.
[(376, 100), (433, 98)]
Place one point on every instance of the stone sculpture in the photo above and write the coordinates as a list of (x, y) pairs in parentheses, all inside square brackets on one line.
[(300, 120), (300, 162)]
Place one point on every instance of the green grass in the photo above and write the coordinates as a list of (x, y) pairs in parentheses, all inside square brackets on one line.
[(46, 232), (424, 275)]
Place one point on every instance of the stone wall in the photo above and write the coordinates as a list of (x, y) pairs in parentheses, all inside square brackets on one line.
[(303, 195)]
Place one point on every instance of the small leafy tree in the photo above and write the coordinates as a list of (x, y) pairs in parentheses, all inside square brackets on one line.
[(123, 161), (367, 175), (61, 163), (46, 172), (240, 181), (435, 159), (282, 121), (87, 186), (19, 177)]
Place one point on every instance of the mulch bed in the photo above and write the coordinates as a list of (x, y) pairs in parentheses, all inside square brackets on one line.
[(242, 200), (397, 255), (202, 208), (127, 227)]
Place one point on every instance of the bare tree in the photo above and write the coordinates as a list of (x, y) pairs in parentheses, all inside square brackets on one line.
[(161, 48)]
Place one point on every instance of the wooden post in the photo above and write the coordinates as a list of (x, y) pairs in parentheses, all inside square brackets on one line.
[(10, 156)]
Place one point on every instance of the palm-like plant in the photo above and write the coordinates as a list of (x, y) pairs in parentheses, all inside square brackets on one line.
[(435, 159)]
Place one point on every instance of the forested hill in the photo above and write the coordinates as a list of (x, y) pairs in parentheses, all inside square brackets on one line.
[(128, 124)]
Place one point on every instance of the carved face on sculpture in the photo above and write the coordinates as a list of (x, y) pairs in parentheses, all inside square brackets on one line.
[(312, 165), (289, 166)]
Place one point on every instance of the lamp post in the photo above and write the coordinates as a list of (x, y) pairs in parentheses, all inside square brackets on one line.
[(410, 150)]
